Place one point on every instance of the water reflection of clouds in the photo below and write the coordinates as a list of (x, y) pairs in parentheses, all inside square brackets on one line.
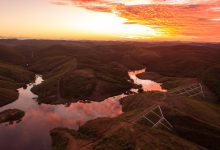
[(33, 131), (147, 85)]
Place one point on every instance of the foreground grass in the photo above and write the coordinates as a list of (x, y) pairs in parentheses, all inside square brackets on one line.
[(196, 131), (59, 142), (115, 142)]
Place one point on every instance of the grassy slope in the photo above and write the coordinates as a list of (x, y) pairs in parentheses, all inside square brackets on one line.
[(111, 60), (13, 74), (10, 55), (109, 77), (196, 126), (108, 134), (187, 60), (195, 120), (211, 79), (7, 96)]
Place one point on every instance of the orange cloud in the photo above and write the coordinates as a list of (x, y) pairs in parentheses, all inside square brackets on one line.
[(197, 19)]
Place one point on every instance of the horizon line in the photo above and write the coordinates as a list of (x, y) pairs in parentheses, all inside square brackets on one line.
[(90, 40)]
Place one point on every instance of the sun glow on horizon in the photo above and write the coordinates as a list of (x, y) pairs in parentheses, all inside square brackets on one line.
[(75, 23), (110, 24)]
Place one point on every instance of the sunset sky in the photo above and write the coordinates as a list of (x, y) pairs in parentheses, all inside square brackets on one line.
[(169, 20)]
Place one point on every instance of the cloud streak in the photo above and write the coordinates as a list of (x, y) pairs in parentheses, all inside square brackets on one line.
[(187, 18)]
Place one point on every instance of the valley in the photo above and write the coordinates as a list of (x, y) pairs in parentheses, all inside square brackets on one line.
[(85, 94)]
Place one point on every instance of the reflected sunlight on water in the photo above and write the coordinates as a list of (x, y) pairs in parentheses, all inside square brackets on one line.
[(147, 85)]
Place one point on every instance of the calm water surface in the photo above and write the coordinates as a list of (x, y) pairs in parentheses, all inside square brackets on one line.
[(32, 133)]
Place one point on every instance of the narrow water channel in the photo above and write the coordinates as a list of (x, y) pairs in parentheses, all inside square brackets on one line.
[(33, 131)]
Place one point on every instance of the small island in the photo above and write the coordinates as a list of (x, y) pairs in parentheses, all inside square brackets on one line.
[(10, 115)]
